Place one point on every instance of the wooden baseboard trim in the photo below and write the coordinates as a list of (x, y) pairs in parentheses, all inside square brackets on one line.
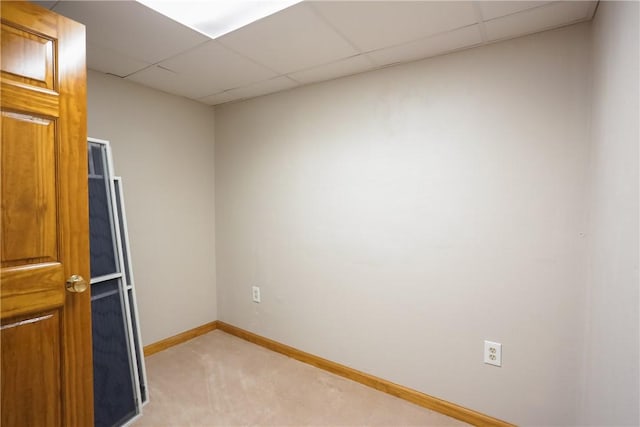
[(180, 338), (442, 406)]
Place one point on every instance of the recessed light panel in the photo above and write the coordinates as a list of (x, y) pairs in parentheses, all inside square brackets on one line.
[(215, 18)]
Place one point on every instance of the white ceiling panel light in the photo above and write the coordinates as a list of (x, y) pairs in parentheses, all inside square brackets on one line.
[(215, 18)]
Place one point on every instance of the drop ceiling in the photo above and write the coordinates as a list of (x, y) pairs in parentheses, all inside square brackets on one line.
[(309, 42)]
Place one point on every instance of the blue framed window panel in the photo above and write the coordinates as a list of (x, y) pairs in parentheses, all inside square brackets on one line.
[(119, 377)]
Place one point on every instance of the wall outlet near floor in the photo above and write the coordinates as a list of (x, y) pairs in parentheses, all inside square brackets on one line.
[(255, 294), (493, 353)]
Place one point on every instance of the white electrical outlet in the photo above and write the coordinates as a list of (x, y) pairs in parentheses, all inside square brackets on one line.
[(255, 294), (493, 353)]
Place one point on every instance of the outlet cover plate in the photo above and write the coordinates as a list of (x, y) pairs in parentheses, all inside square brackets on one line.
[(255, 294), (493, 353)]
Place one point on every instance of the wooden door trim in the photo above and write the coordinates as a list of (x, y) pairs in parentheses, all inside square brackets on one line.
[(15, 301), (73, 169), (44, 102)]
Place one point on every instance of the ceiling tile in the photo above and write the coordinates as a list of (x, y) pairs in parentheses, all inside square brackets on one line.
[(441, 43), (291, 40), (218, 98), (111, 62), (372, 25), (343, 67), (167, 81), (263, 88), (129, 28), (496, 9), (218, 66), (541, 18)]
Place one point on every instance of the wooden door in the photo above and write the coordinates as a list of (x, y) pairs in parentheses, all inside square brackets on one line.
[(45, 329)]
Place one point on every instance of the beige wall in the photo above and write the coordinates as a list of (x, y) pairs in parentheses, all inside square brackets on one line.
[(612, 377), (396, 219), (163, 149)]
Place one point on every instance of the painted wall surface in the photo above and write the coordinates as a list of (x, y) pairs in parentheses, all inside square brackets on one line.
[(396, 219), (163, 149), (612, 377)]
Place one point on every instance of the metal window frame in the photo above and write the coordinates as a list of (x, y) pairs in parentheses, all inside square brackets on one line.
[(128, 267), (124, 287)]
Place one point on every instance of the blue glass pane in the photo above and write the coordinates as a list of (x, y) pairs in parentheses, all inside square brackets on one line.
[(103, 253), (114, 398)]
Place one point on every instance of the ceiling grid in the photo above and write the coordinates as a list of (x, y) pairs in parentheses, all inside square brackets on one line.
[(308, 42)]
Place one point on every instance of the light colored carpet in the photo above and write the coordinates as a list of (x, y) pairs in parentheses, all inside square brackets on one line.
[(220, 380)]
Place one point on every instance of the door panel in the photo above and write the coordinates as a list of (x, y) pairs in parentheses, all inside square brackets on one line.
[(29, 190), (37, 70), (28, 376), (46, 331)]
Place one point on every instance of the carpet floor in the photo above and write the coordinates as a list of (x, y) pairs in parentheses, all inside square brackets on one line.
[(220, 380)]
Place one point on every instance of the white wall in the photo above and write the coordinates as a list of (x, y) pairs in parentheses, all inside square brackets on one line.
[(163, 149), (612, 377), (396, 219)]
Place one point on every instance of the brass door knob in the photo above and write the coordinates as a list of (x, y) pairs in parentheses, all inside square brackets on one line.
[(76, 284)]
